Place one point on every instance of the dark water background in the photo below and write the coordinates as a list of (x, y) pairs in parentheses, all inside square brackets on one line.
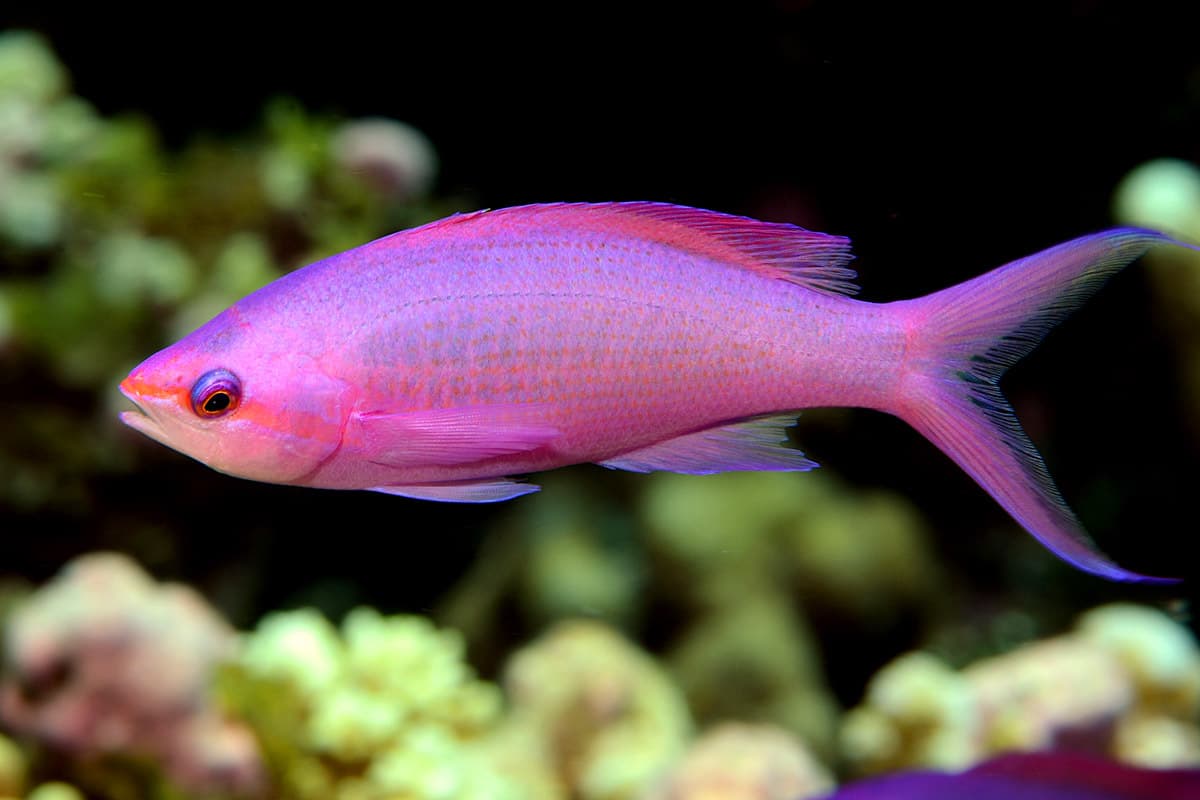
[(943, 145)]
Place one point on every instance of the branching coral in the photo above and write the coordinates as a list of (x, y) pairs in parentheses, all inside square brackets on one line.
[(384, 709)]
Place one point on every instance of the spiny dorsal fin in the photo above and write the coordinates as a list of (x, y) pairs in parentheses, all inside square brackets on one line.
[(816, 261)]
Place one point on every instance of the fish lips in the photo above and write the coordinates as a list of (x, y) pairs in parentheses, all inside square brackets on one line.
[(142, 419)]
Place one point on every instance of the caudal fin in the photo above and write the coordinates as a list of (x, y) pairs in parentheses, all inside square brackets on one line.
[(967, 336)]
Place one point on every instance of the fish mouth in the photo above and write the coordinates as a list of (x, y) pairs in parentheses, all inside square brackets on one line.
[(140, 420)]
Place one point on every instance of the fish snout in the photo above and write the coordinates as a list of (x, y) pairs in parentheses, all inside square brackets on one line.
[(138, 392)]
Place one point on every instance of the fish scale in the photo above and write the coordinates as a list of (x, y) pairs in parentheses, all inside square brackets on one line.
[(662, 333), (438, 362)]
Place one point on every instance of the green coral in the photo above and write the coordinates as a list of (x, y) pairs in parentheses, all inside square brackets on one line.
[(385, 708)]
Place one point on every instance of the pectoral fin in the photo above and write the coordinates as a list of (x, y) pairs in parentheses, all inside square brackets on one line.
[(451, 436), (491, 490), (757, 444)]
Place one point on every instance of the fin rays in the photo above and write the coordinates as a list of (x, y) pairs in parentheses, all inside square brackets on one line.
[(972, 333)]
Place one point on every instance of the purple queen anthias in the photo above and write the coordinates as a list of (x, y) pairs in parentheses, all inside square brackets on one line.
[(438, 362)]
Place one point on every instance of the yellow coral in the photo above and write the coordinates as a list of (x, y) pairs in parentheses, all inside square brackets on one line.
[(1163, 662), (1127, 682), (12, 768), (55, 791), (918, 712), (1157, 742), (605, 717), (745, 762), (387, 710), (1029, 699), (300, 647), (1159, 653), (1163, 194)]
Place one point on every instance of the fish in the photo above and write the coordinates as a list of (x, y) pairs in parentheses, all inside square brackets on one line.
[(1033, 776), (446, 361)]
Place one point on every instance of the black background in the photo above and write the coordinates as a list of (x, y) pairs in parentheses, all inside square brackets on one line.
[(943, 143)]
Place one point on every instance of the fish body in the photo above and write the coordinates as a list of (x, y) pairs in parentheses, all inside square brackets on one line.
[(440, 361), (1033, 776)]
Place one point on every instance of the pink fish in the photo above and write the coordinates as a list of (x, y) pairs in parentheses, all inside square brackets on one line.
[(439, 361)]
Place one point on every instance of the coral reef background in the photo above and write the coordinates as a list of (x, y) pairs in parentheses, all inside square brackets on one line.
[(147, 181)]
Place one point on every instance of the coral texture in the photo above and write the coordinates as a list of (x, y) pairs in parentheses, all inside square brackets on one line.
[(103, 661)]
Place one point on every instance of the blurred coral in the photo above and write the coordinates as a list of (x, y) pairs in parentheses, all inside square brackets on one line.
[(1126, 683), (104, 662), (28, 69), (756, 659), (1054, 693), (396, 159), (571, 574), (1165, 194), (32, 83), (864, 553), (752, 553), (744, 762), (13, 768), (917, 712), (1159, 654), (1162, 659), (603, 716), (55, 790), (738, 558), (112, 246), (385, 709)]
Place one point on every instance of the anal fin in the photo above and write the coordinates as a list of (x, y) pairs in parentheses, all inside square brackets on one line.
[(758, 444)]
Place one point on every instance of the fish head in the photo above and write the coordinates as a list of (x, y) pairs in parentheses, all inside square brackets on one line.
[(244, 405)]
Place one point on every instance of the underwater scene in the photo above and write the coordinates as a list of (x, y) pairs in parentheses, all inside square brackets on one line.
[(876, 628)]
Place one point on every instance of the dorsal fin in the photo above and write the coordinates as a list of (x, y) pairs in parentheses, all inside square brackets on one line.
[(816, 261)]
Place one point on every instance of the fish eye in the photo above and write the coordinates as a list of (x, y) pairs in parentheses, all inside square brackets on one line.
[(216, 393)]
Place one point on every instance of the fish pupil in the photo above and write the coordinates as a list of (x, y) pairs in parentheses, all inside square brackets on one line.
[(217, 402)]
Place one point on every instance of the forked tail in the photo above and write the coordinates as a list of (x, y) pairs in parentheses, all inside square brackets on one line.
[(966, 336)]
